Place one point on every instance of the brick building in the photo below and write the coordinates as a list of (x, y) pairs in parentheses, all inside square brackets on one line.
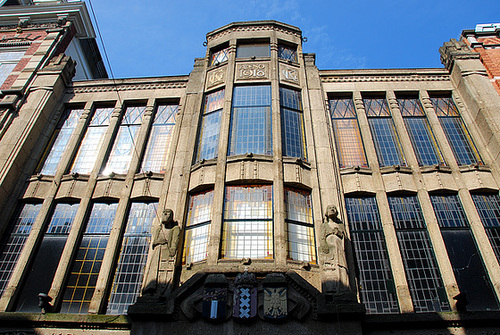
[(256, 194)]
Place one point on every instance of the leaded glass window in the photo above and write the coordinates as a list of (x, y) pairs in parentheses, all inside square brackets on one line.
[(251, 130), (248, 222), (350, 148), (124, 146), (60, 139), (488, 207), (245, 50), (160, 138), (208, 142), (378, 292), (420, 132), (424, 280), (300, 229), (132, 260), (292, 121), (198, 227), (387, 144), (87, 153), (462, 251), (219, 56), (8, 61), (47, 258), (458, 136), (14, 239), (87, 264), (287, 53)]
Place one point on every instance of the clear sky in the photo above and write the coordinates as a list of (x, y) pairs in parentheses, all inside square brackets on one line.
[(162, 37)]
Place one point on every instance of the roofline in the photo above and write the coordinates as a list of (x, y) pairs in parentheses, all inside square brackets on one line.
[(255, 23)]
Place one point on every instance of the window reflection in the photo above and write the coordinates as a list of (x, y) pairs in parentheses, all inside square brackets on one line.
[(198, 227), (208, 142), (292, 121), (300, 231)]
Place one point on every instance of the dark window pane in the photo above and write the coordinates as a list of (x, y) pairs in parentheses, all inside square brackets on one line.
[(252, 50)]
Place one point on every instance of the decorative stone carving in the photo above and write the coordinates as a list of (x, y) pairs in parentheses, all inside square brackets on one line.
[(453, 50), (275, 296), (216, 77), (165, 238), (252, 71), (215, 297), (333, 252), (290, 74), (245, 296)]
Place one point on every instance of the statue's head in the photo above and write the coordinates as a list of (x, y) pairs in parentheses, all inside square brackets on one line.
[(167, 218), (331, 212)]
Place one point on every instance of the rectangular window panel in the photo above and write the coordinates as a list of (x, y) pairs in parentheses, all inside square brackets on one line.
[(47, 258), (424, 280), (420, 132), (252, 50), (208, 138), (87, 153), (248, 222), (87, 264), (160, 138), (488, 207), (251, 130), (132, 260), (198, 227), (378, 292), (60, 139), (8, 61), (458, 136), (13, 241), (124, 146), (292, 121), (220, 56), (300, 229), (287, 53), (464, 256)]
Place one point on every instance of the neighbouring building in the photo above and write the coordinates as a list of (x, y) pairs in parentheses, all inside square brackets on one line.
[(256, 194)]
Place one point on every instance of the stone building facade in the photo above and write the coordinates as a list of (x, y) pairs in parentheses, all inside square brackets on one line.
[(256, 194)]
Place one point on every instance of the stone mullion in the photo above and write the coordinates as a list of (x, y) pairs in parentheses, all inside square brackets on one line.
[(85, 206), (393, 251), (37, 232), (113, 249), (215, 238), (279, 230)]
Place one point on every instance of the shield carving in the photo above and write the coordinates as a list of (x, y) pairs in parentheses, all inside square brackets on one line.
[(275, 296), (215, 297), (245, 296)]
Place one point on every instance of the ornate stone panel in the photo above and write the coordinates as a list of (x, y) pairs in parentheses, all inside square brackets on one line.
[(289, 74), (216, 76), (249, 71)]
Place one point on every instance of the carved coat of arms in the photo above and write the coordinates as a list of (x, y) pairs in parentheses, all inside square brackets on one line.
[(215, 297), (245, 296), (275, 296)]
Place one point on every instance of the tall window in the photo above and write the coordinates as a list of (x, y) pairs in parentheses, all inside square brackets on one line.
[(251, 130), (347, 136), (378, 292), (248, 222), (287, 52), (465, 259), (132, 261), (160, 138), (389, 151), (426, 286), (198, 227), (14, 239), (459, 138), (47, 258), (245, 50), (420, 132), (124, 146), (219, 56), (87, 153), (208, 142), (87, 264), (488, 206), (292, 121), (60, 139), (8, 61), (300, 229)]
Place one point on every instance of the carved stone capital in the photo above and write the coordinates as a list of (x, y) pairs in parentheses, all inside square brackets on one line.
[(454, 50)]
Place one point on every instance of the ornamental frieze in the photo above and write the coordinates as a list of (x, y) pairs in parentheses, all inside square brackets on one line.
[(289, 74), (216, 77), (252, 71)]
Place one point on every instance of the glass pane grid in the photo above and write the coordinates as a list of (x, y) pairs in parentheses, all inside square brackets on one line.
[(449, 211), (460, 141), (387, 143), (376, 107), (423, 141), (300, 232), (62, 219), (133, 115), (132, 260), (293, 134), (251, 131), (349, 143), (410, 107), (252, 96), (123, 150), (377, 288), (198, 227), (219, 56), (287, 53), (342, 108), (444, 106), (488, 207)]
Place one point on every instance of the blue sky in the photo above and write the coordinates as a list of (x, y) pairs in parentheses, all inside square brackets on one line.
[(162, 37)]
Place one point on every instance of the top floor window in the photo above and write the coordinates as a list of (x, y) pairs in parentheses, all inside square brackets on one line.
[(219, 56), (249, 50), (8, 61), (287, 52)]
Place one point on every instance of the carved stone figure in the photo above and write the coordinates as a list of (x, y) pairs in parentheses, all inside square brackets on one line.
[(165, 238), (333, 250)]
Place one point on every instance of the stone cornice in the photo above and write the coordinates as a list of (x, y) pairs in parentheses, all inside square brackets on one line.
[(254, 26), (123, 85), (455, 50), (342, 78)]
